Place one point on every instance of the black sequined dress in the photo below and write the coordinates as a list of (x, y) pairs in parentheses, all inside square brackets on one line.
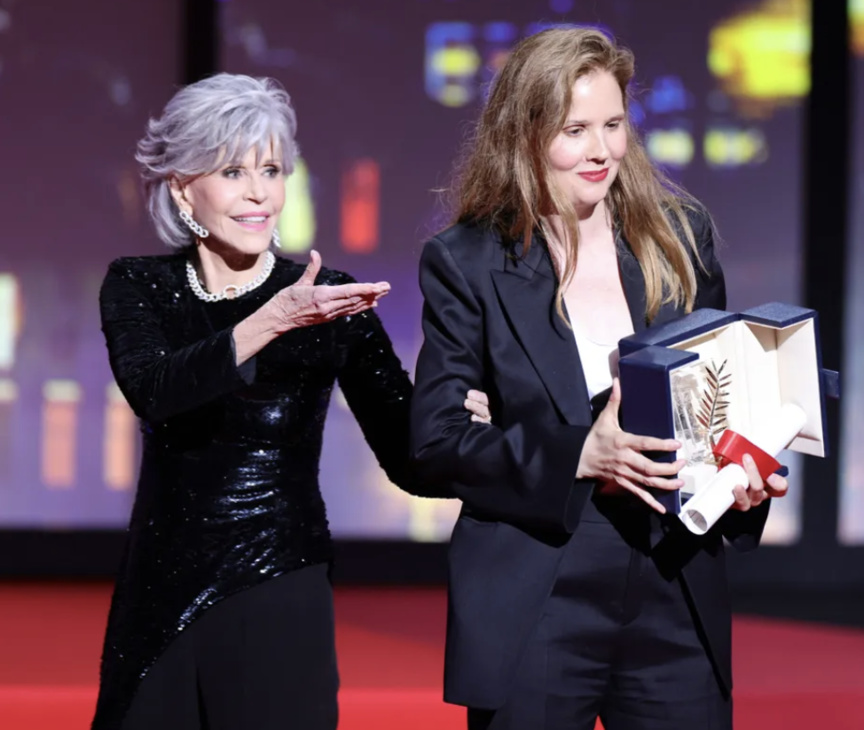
[(228, 494)]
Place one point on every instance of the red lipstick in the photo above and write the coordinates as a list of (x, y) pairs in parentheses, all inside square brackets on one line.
[(595, 175)]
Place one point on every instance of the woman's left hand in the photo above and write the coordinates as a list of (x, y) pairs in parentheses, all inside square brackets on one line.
[(757, 491), (477, 404)]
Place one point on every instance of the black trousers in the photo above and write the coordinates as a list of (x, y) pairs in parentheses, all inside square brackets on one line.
[(616, 641), (263, 659)]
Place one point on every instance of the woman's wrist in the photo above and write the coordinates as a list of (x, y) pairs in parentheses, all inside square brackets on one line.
[(583, 469), (255, 332)]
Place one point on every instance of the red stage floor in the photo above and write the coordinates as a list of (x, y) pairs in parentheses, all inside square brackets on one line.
[(788, 676)]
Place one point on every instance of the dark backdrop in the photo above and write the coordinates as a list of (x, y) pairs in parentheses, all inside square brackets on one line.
[(120, 93)]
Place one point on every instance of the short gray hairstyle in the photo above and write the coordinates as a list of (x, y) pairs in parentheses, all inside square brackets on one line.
[(205, 125)]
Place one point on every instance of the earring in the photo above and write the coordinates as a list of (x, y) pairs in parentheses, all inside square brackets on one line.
[(276, 239), (193, 225)]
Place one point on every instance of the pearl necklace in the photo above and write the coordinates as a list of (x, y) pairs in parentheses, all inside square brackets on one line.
[(238, 291)]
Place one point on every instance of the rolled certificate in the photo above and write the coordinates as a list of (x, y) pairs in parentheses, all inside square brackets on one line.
[(708, 505)]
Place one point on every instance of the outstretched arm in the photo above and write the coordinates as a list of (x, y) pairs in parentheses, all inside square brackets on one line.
[(159, 381)]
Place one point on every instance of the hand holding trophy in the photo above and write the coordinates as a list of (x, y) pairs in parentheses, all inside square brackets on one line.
[(726, 385)]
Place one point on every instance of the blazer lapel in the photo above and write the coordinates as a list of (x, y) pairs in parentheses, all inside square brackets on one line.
[(526, 289), (633, 282)]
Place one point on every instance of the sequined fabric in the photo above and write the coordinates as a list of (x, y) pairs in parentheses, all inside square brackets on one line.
[(228, 493)]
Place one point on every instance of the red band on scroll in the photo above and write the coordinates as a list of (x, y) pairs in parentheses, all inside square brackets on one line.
[(731, 447)]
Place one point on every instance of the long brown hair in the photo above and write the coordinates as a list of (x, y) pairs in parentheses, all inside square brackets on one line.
[(504, 180)]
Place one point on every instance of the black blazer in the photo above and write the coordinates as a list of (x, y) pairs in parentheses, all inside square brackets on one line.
[(489, 323)]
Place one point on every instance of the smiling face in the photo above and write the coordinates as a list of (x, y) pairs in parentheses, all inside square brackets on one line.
[(585, 156), (239, 204)]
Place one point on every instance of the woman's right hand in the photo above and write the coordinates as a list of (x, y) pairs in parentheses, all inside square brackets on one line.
[(615, 457), (300, 305), (304, 303)]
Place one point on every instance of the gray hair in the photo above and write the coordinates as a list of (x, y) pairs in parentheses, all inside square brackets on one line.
[(205, 125)]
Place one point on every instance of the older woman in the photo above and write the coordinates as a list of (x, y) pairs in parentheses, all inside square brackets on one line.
[(222, 615)]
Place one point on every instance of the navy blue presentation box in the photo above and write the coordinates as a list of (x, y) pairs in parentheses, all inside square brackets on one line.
[(772, 352)]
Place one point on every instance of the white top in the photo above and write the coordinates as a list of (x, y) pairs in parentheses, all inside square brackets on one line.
[(599, 362)]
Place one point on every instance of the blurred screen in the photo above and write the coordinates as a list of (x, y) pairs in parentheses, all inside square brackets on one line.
[(386, 92), (851, 503), (77, 84)]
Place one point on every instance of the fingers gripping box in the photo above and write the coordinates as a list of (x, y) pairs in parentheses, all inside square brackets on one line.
[(725, 384)]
